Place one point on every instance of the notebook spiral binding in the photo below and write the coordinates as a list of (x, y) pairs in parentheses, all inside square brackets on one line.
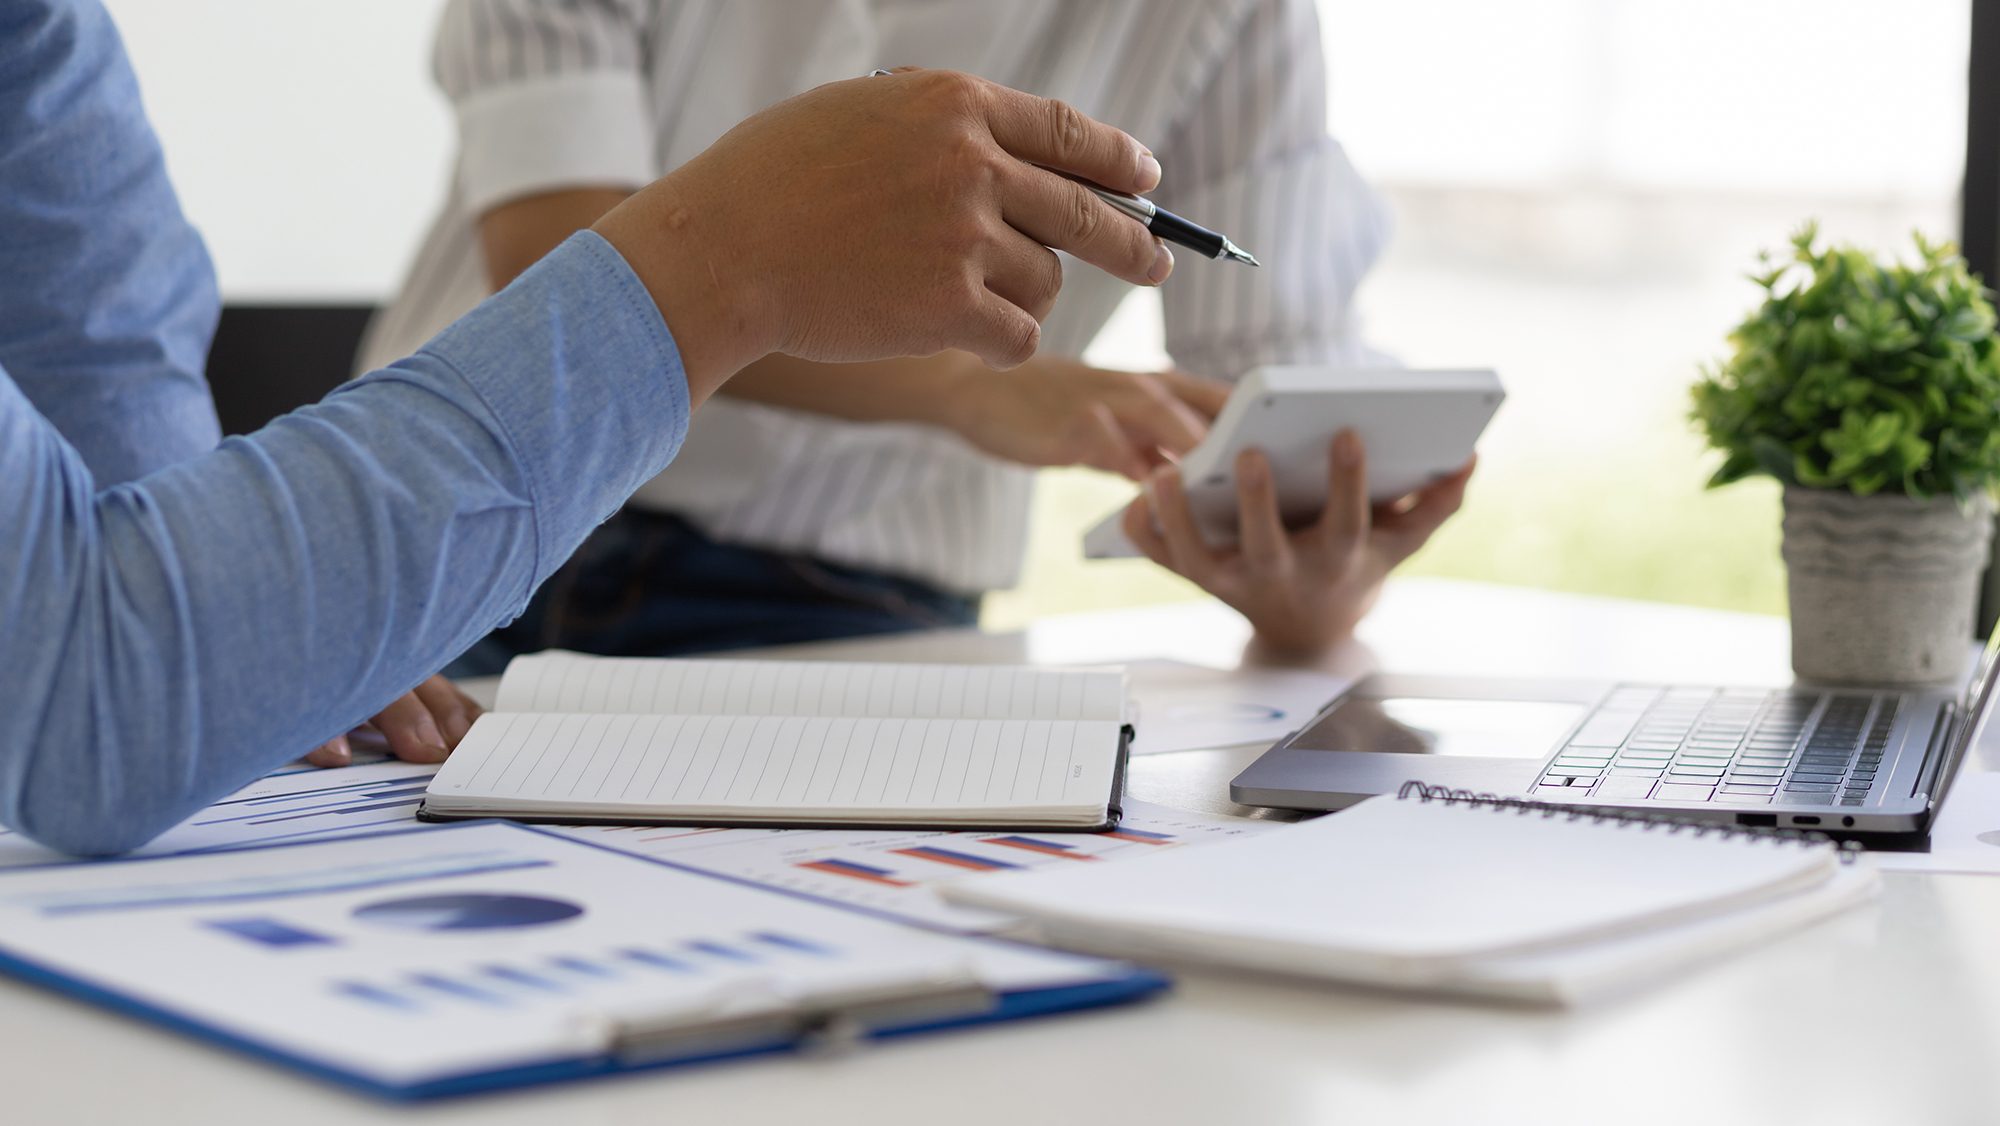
[(1647, 822)]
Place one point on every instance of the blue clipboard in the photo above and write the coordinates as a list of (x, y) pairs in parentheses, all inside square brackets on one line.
[(887, 1012)]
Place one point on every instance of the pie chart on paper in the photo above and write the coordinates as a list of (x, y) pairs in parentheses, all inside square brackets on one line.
[(472, 911)]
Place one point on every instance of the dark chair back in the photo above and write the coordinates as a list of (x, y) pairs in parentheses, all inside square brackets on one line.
[(268, 359)]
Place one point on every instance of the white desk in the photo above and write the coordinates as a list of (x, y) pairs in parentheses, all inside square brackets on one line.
[(1890, 1014)]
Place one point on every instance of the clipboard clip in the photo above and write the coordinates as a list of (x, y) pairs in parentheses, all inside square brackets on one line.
[(752, 1013)]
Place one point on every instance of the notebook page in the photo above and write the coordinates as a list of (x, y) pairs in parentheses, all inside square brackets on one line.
[(632, 763), (568, 682)]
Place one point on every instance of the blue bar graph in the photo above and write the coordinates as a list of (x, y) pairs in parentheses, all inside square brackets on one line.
[(456, 988), (583, 966), (657, 960), (514, 976), (374, 995), (270, 932), (717, 949), (552, 978), (793, 943), (955, 858)]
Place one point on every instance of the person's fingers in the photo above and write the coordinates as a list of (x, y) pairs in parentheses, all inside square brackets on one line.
[(1260, 527), (453, 710), (1189, 554), (1141, 528), (1201, 393), (1155, 416), (1059, 212), (411, 731), (1346, 519), (1026, 274), (333, 752), (1045, 131), (1111, 447), (1410, 529), (999, 332)]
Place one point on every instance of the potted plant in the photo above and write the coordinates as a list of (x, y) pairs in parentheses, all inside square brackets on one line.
[(1871, 390)]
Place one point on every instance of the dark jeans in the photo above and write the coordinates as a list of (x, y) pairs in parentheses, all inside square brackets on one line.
[(651, 585)]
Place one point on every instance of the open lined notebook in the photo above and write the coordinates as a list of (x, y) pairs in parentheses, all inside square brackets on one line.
[(777, 744)]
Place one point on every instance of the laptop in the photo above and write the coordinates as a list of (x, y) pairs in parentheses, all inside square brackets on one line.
[(1870, 763)]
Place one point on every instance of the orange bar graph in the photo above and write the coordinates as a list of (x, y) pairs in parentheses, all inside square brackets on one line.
[(857, 872)]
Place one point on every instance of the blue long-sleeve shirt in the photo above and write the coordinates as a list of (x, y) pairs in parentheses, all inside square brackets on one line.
[(109, 299), (166, 639)]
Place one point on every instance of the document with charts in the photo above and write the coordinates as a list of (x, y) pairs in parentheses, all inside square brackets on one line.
[(298, 803), (898, 873), (468, 957), (890, 872), (792, 744)]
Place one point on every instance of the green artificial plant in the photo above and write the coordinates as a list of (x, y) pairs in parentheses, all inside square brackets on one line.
[(1859, 375)]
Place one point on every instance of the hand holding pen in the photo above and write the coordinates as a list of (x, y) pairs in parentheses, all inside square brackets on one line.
[(1165, 225), (1169, 227)]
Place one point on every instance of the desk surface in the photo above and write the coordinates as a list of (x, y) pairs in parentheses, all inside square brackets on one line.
[(1890, 1013)]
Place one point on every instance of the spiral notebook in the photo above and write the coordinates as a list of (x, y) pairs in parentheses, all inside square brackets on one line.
[(792, 744), (1449, 892)]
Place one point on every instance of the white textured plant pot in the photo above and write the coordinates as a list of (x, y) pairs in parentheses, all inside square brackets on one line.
[(1883, 588)]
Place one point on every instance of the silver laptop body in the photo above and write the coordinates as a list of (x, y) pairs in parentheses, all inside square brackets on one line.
[(1848, 760)]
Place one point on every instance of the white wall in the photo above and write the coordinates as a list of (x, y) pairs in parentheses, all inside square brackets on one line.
[(311, 147), (1761, 96), (306, 138)]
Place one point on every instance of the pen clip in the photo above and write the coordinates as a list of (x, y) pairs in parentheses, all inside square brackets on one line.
[(751, 1013)]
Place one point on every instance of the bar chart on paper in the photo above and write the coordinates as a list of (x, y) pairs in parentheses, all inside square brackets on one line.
[(896, 873), (529, 978), (297, 804), (487, 950)]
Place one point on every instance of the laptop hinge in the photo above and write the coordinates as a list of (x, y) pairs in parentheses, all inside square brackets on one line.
[(1934, 756)]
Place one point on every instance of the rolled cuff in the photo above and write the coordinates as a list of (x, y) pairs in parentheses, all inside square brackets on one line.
[(575, 130), (578, 366)]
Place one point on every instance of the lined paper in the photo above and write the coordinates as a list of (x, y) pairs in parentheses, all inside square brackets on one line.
[(767, 765), (564, 682)]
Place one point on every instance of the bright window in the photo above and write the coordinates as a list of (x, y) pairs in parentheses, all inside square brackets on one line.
[(1579, 187)]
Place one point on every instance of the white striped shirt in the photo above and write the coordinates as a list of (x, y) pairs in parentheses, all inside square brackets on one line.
[(1230, 94)]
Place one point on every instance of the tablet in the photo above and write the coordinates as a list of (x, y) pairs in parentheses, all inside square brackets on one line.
[(1417, 426)]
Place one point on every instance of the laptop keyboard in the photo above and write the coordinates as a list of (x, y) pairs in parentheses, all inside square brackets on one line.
[(1726, 745)]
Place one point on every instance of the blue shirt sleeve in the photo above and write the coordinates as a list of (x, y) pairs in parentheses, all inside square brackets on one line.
[(172, 638), (107, 299), (167, 639)]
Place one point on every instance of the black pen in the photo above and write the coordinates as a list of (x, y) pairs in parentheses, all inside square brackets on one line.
[(1169, 227), (1165, 225)]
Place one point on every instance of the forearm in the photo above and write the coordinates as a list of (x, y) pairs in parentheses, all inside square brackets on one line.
[(172, 638), (925, 389), (515, 235), (713, 332)]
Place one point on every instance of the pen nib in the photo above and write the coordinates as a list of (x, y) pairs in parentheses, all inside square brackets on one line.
[(1233, 251)]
